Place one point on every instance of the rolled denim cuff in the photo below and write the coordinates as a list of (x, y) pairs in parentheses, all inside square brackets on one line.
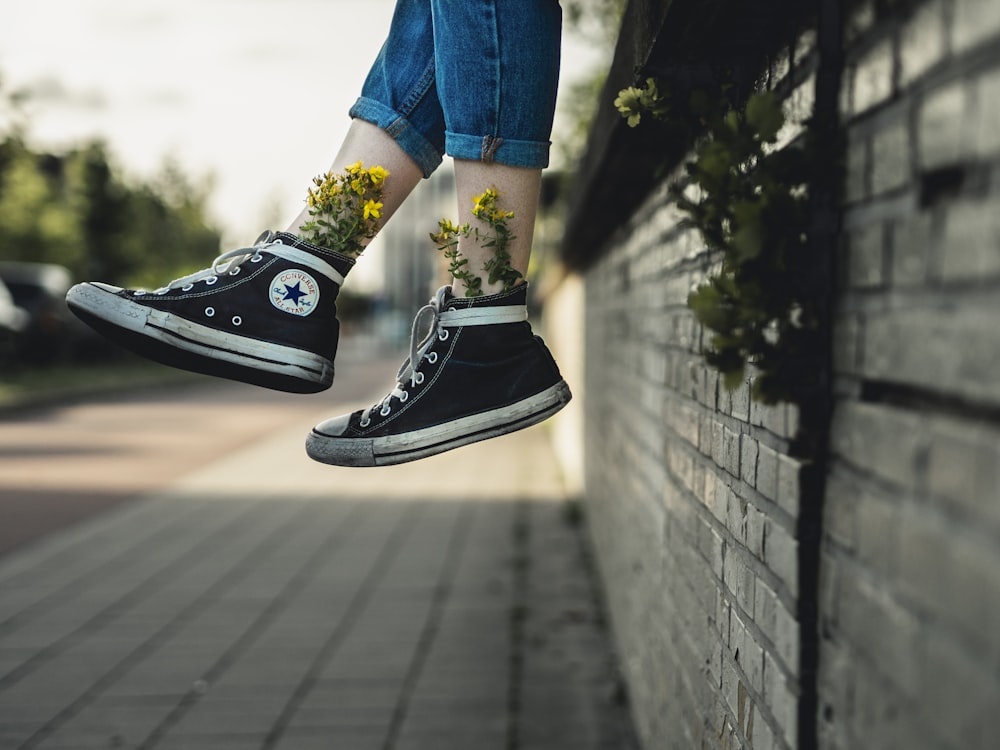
[(411, 140), (533, 154)]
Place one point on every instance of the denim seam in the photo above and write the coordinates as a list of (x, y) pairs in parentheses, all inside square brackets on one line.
[(491, 141), (419, 90)]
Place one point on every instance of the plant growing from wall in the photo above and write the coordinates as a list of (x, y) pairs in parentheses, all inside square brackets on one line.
[(749, 201)]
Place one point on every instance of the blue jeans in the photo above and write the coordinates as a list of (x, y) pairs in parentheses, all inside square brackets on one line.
[(474, 79)]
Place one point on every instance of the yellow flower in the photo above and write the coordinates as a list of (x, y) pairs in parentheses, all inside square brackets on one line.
[(378, 174), (484, 203), (353, 168), (372, 209)]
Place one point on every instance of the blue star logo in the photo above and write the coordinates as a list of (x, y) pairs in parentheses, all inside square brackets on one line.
[(294, 293)]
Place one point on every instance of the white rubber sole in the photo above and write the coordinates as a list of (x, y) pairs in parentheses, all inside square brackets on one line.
[(397, 449)]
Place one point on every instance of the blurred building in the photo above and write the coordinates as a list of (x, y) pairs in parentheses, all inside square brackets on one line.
[(413, 268)]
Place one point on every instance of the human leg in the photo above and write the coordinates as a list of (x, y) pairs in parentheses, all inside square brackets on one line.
[(478, 372), (266, 314), (497, 87)]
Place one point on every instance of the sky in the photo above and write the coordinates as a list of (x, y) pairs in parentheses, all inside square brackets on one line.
[(253, 93)]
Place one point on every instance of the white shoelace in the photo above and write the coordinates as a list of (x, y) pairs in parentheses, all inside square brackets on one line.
[(420, 348), (228, 262), (231, 261)]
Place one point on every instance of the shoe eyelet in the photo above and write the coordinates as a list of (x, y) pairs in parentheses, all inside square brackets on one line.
[(443, 334), (405, 397), (384, 411), (161, 292), (432, 357), (187, 287), (418, 378), (211, 280), (237, 320), (139, 292), (257, 258), (209, 311), (364, 423), (235, 271)]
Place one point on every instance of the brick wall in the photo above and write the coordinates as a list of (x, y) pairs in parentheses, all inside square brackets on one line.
[(910, 567), (695, 503)]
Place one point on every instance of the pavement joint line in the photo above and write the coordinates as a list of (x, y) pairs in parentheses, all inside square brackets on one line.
[(359, 601), (148, 645), (328, 548), (140, 591), (39, 606), (520, 531), (442, 591)]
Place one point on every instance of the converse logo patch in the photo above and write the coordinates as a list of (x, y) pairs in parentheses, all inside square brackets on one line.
[(294, 291)]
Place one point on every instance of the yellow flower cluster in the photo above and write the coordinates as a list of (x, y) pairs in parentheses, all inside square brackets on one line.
[(485, 207), (345, 208), (497, 268)]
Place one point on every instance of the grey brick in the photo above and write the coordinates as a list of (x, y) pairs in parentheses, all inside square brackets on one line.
[(960, 693), (946, 350), (860, 20), (740, 402), (763, 735), (731, 452), (745, 588), (873, 77), (970, 249), (878, 532), (756, 522), (788, 484), (882, 440), (891, 169), (786, 638), (780, 698), (913, 239), (705, 437), (987, 134), (866, 256), (887, 635), (927, 570), (943, 124), (975, 22), (748, 459), (781, 556), (767, 472), (953, 463), (922, 41), (718, 443), (840, 511)]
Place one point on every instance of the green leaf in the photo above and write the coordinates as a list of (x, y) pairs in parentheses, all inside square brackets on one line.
[(764, 115)]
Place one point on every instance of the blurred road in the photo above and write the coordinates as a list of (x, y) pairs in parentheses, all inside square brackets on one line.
[(61, 464), (180, 576)]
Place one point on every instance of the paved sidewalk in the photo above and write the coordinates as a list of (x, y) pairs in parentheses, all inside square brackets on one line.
[(266, 601)]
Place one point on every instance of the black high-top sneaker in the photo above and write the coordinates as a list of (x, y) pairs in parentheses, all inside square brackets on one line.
[(264, 315), (478, 373)]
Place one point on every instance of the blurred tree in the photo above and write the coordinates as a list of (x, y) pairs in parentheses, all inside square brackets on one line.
[(598, 22), (75, 209)]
